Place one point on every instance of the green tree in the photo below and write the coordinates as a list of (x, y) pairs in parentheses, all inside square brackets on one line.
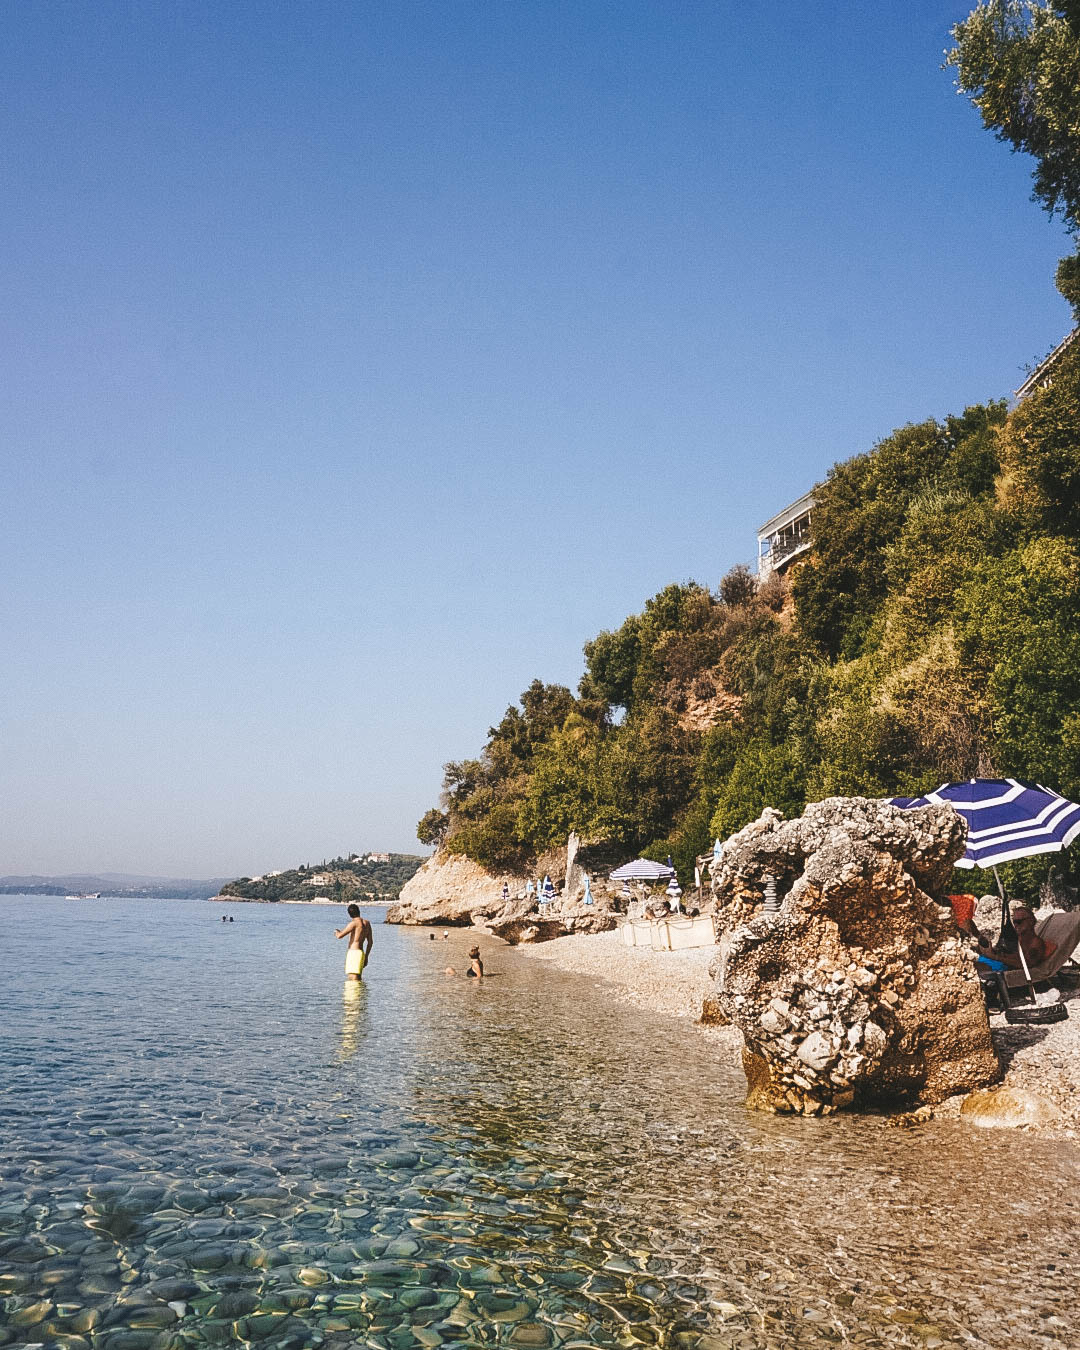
[(762, 775), (1041, 453), (611, 662), (738, 586), (561, 795), (1019, 63), (432, 827), (1019, 626)]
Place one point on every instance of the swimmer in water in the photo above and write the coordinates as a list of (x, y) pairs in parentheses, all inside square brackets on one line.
[(476, 969)]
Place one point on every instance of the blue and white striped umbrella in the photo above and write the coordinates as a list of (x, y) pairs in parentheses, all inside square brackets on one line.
[(1006, 818), (674, 890), (642, 869), (547, 894)]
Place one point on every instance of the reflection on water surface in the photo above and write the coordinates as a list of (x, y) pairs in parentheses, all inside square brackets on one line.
[(205, 1137)]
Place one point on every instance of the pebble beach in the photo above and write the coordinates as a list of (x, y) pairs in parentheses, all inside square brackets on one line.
[(672, 983), (1044, 1060)]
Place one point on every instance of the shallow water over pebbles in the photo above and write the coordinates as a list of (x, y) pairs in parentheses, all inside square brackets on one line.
[(202, 1140)]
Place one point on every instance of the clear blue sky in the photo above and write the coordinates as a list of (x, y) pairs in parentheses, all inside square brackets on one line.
[(362, 360)]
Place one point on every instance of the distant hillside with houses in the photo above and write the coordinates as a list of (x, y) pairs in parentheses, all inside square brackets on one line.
[(358, 877)]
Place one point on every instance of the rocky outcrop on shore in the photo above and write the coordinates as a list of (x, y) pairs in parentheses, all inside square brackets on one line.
[(857, 989), (522, 920), (453, 891), (448, 890)]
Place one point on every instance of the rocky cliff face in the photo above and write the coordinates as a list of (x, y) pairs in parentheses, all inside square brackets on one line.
[(858, 989), (448, 890), (453, 891)]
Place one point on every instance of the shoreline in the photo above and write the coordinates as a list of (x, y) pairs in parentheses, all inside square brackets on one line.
[(1043, 1060), (320, 904)]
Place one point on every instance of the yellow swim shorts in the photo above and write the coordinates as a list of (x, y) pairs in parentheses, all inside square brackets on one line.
[(354, 961)]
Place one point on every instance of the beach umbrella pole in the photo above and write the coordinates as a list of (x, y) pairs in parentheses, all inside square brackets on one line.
[(1019, 948), (1006, 921), (1027, 973)]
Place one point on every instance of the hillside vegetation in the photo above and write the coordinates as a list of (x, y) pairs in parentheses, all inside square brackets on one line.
[(347, 880), (933, 634)]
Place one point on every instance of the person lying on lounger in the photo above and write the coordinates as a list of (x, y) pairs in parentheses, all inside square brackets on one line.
[(1036, 950)]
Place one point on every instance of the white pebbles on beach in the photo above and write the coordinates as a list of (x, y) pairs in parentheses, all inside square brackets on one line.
[(671, 983)]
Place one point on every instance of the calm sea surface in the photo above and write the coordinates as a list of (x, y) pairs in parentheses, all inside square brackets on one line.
[(204, 1139)]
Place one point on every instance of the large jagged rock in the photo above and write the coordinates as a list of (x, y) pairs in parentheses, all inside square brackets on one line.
[(859, 990)]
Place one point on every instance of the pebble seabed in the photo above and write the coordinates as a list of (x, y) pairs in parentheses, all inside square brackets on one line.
[(430, 1163), (243, 1262)]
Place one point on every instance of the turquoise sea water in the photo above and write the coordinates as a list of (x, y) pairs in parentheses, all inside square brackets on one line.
[(204, 1139)]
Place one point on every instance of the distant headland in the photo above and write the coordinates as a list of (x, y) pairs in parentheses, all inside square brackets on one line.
[(112, 885), (370, 878)]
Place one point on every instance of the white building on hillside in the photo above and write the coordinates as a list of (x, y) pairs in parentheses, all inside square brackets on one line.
[(784, 537), (1042, 377)]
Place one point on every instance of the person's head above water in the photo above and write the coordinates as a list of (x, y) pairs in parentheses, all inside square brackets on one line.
[(474, 952), (353, 911)]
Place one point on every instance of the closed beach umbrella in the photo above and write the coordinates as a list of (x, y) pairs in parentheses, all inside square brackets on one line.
[(674, 890), (588, 892), (548, 893), (1007, 818)]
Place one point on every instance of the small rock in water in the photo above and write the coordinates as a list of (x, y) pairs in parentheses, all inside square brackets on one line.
[(312, 1275), (530, 1334), (1007, 1108)]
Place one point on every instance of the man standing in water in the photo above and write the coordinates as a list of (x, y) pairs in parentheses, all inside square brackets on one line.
[(358, 931)]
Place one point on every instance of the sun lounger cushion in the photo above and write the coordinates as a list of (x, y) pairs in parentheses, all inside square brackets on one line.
[(1061, 928)]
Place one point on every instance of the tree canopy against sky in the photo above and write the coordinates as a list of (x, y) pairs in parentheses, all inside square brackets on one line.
[(1019, 62)]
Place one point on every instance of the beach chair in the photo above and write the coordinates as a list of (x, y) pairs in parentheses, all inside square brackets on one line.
[(1061, 928)]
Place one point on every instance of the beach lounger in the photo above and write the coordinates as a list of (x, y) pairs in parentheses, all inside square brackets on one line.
[(1061, 928)]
